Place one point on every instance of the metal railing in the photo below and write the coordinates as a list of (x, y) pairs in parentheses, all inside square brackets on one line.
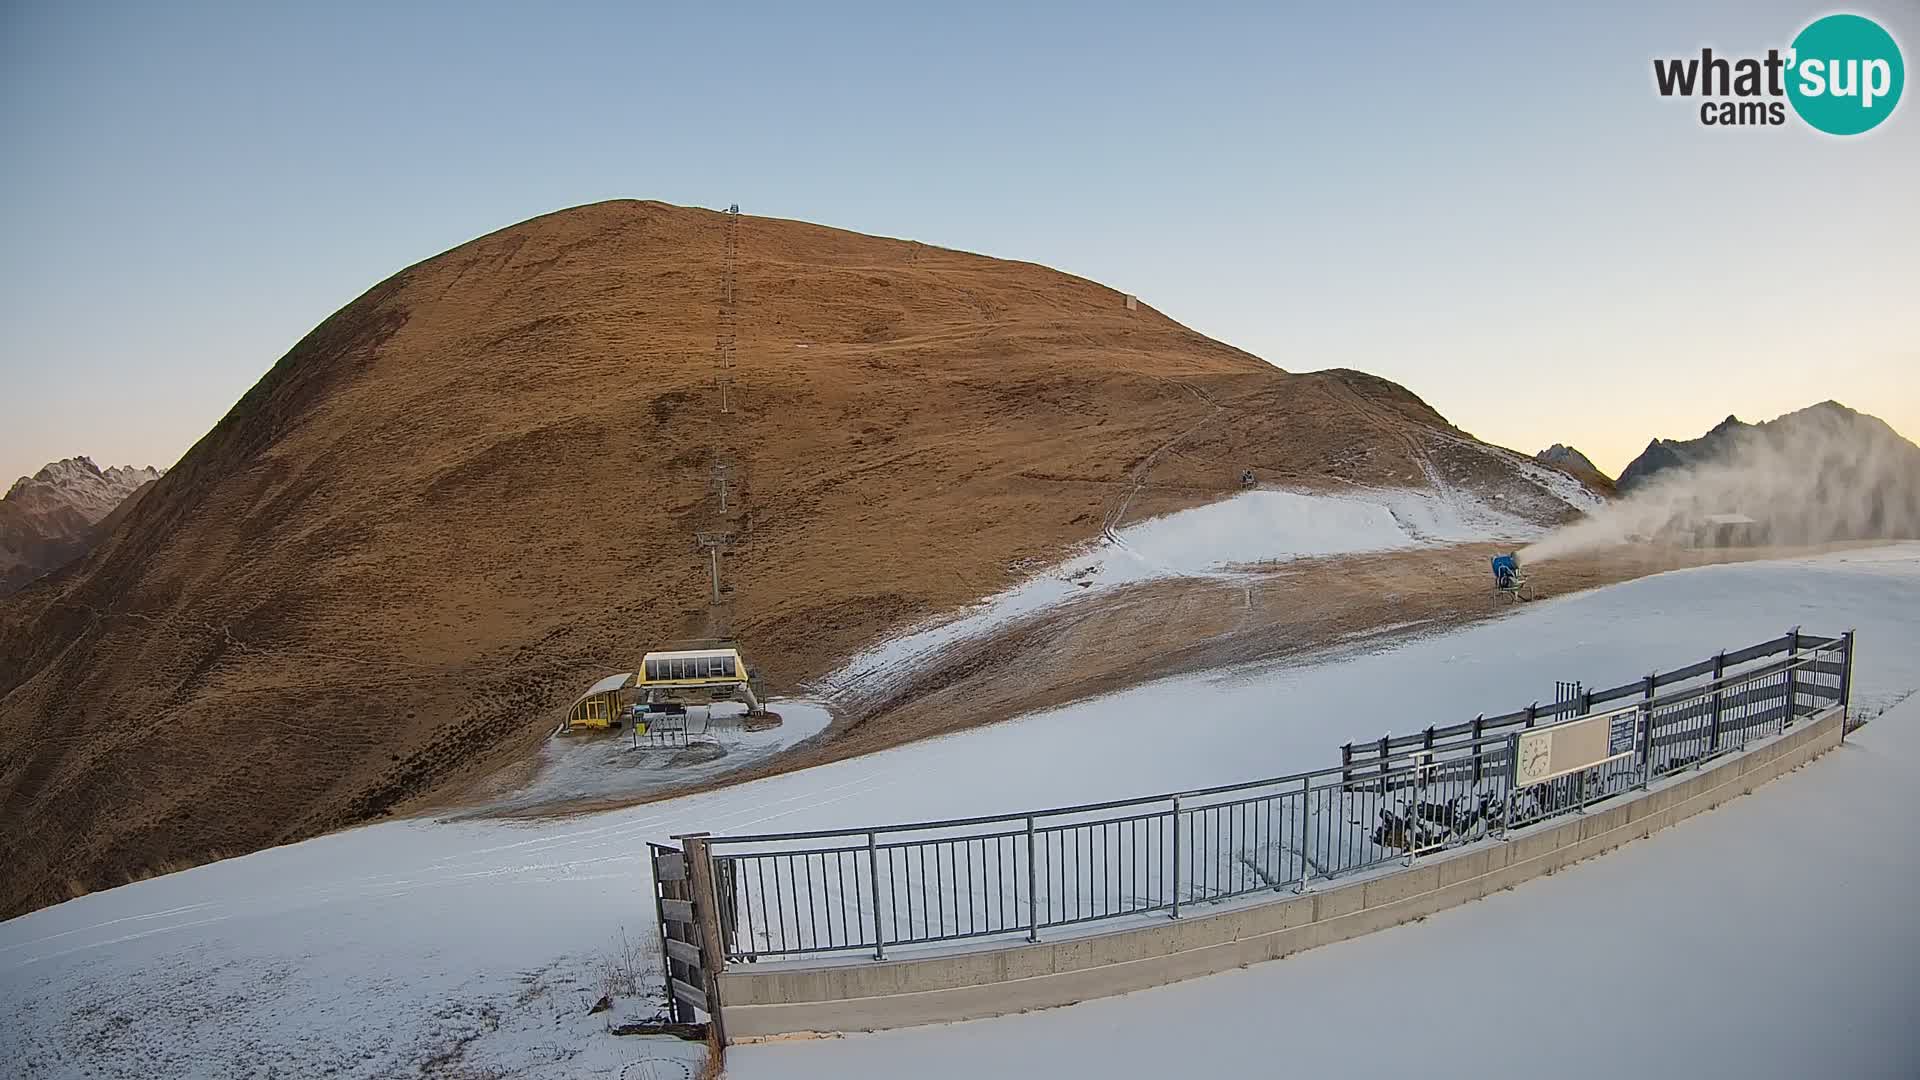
[(788, 894)]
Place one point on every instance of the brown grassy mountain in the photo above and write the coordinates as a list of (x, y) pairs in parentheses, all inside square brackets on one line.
[(475, 488), (51, 518)]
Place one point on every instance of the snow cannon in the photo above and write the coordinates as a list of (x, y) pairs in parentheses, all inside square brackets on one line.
[(1508, 579)]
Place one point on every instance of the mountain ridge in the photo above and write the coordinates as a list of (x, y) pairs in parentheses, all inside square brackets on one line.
[(56, 515), (1730, 436)]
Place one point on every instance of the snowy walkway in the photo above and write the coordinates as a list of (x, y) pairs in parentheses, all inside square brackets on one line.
[(1773, 937), (366, 953)]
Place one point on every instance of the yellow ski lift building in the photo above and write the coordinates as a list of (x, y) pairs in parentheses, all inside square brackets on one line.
[(599, 707), (694, 676)]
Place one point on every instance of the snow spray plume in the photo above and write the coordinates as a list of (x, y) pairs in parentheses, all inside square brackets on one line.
[(1823, 474)]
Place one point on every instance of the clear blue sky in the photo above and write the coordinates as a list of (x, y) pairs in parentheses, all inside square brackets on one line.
[(1488, 204)]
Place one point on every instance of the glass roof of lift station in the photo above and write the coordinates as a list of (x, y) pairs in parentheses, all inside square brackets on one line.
[(692, 664)]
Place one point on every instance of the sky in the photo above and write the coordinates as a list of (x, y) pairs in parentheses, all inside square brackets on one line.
[(1489, 204)]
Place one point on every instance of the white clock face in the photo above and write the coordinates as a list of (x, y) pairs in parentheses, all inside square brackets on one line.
[(1536, 754)]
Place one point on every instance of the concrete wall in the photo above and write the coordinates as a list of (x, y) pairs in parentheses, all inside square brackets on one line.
[(865, 995)]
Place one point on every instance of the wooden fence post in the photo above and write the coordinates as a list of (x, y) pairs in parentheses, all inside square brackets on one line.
[(706, 911)]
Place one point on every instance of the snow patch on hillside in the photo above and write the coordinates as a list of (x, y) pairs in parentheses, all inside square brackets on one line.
[(1560, 485), (1219, 541)]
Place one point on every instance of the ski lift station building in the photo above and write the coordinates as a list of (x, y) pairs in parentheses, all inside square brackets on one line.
[(695, 675), (598, 707), (687, 677)]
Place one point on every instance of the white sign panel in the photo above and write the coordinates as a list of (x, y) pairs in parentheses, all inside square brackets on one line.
[(1546, 753)]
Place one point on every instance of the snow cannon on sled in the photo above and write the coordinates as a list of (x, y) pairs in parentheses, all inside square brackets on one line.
[(1508, 578)]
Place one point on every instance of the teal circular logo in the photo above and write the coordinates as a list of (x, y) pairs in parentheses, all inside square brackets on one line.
[(1845, 74)]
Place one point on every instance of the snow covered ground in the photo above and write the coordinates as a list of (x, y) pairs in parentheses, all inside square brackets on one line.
[(480, 945), (1219, 540), (584, 766), (1773, 937)]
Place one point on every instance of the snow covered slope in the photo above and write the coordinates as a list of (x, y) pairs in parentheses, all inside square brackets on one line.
[(1216, 541), (1773, 937), (481, 944)]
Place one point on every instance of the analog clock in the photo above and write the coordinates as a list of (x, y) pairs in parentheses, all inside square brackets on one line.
[(1535, 758)]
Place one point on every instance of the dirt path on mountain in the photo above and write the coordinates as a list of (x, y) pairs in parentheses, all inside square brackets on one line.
[(1296, 612)]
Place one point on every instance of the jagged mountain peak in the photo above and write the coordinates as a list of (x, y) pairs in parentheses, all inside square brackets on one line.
[(55, 516)]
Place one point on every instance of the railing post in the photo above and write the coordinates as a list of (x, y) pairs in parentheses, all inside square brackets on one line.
[(1385, 754), (873, 880), (1479, 729), (1419, 787), (1176, 856), (1533, 711), (1033, 887), (1646, 737), (1513, 778), (1306, 834), (1719, 697), (1793, 677), (1846, 684)]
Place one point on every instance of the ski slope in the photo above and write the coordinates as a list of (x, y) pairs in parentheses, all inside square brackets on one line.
[(1219, 541), (479, 945)]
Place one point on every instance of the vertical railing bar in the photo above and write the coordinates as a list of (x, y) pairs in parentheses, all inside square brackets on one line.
[(900, 891), (973, 922), (793, 890), (1176, 856), (1076, 871), (766, 924), (779, 904), (873, 882), (1033, 892), (1219, 869), (918, 851), (1110, 842), (939, 891), (840, 869), (813, 928)]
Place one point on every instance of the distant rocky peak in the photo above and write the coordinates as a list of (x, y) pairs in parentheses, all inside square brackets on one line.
[(130, 476), (1564, 455), (65, 471), (78, 482)]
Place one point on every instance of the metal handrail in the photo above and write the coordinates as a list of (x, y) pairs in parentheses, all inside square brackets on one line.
[(1729, 681), (1024, 871)]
